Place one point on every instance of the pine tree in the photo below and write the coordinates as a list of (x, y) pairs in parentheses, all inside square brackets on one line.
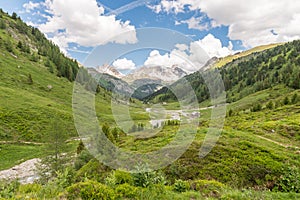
[(29, 79)]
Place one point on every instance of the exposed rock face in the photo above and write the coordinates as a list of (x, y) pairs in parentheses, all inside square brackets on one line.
[(25, 172)]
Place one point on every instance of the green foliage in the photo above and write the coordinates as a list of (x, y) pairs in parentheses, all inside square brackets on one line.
[(54, 164), (29, 79), (286, 101), (126, 191), (137, 128), (30, 188), (146, 177), (230, 113), (270, 105), (2, 24), (181, 186), (14, 16), (257, 107), (92, 170), (289, 181), (245, 75), (82, 158), (209, 188), (8, 190), (295, 98), (90, 190), (118, 177), (65, 178)]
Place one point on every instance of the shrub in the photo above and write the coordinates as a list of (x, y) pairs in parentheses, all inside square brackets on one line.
[(7, 190), (145, 177), (30, 188), (123, 177), (126, 190), (256, 108), (83, 158), (210, 188), (289, 181), (270, 105), (294, 98), (181, 186), (286, 101), (148, 178), (90, 190)]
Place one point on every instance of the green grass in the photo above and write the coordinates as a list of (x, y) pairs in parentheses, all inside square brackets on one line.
[(228, 59), (13, 154)]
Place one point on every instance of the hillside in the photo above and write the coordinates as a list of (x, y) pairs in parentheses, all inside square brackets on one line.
[(247, 75), (256, 157), (223, 61)]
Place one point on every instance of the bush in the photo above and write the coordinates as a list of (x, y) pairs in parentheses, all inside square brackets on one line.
[(90, 190), (270, 105), (256, 108), (286, 101), (147, 178), (181, 186), (83, 158), (126, 190), (123, 177), (30, 188), (289, 181), (209, 188), (8, 190)]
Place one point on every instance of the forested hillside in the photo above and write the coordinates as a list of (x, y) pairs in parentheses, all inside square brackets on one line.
[(247, 75), (256, 156), (22, 40)]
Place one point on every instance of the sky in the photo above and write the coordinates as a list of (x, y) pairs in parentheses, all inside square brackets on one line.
[(129, 34)]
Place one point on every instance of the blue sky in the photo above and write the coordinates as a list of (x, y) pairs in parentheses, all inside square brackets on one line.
[(219, 27)]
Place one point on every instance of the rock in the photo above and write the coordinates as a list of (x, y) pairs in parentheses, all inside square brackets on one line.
[(25, 172)]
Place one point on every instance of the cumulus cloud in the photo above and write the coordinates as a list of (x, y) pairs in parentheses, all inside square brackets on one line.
[(213, 46), (31, 6), (124, 64), (251, 22), (196, 23), (83, 22), (190, 58)]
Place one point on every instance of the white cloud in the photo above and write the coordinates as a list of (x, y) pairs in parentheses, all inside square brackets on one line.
[(30, 6), (124, 64), (196, 23), (168, 6), (213, 46), (84, 23), (190, 58), (248, 21)]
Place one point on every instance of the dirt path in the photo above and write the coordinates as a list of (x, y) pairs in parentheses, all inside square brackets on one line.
[(20, 142), (278, 143)]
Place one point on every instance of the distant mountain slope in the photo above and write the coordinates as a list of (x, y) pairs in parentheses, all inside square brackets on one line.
[(223, 61), (166, 75), (247, 75), (111, 83), (107, 69)]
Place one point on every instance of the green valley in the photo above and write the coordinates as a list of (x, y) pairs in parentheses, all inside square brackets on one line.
[(256, 157)]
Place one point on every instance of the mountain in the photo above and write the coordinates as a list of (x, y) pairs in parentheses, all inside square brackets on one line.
[(110, 70), (210, 63), (110, 82), (246, 75), (256, 156), (166, 75)]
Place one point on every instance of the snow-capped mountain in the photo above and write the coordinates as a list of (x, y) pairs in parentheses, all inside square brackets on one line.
[(110, 70), (158, 73)]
